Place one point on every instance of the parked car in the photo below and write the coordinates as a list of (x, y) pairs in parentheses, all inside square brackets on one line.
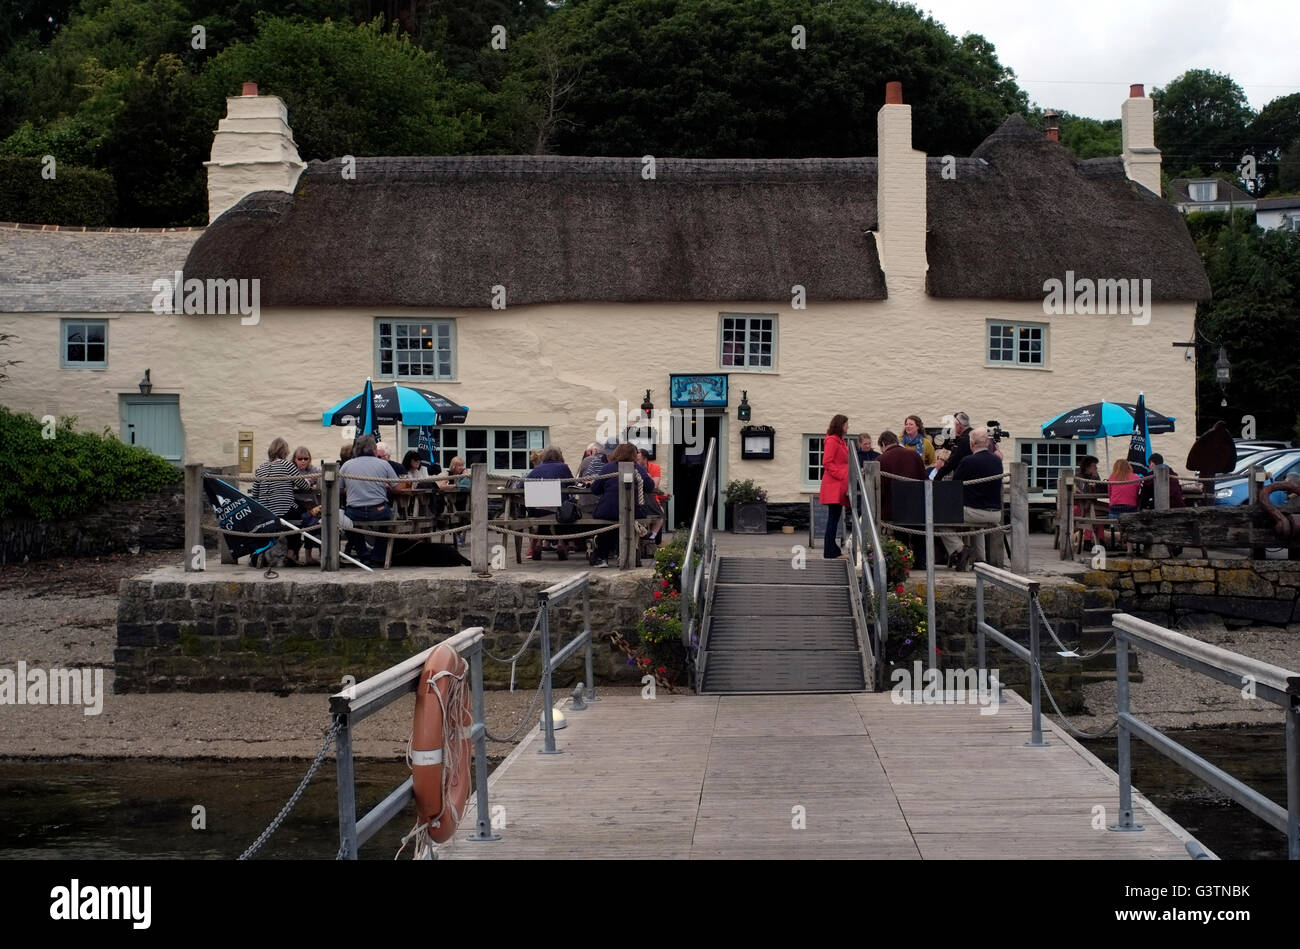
[(1248, 447), (1277, 466)]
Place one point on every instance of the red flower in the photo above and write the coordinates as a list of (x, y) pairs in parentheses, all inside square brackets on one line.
[(662, 670), (658, 594), (899, 589), (664, 584)]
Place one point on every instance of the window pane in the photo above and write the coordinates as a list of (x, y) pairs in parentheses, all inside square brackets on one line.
[(476, 438), (95, 352), (501, 460), (95, 333), (76, 352), (519, 439)]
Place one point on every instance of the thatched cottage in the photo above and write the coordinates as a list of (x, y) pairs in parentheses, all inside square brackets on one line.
[(542, 292)]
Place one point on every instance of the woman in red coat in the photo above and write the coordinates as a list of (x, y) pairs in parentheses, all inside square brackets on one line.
[(834, 493)]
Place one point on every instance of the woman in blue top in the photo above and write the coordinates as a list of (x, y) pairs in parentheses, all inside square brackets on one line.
[(607, 506), (550, 467)]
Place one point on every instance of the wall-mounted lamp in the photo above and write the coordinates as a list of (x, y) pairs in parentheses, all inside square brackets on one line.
[(647, 407), (1223, 374), (743, 410), (146, 386)]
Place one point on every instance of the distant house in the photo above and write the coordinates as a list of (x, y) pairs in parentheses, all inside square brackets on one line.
[(1278, 213), (1209, 194), (543, 291)]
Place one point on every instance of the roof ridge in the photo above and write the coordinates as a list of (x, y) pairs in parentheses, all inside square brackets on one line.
[(80, 229)]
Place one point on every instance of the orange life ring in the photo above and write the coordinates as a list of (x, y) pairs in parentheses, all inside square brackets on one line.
[(440, 754)]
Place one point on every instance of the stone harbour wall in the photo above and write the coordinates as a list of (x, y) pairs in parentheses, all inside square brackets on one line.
[(1241, 591), (223, 631), (156, 522)]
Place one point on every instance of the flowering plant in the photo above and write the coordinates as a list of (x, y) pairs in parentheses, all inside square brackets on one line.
[(898, 560), (908, 631), (659, 648), (743, 492)]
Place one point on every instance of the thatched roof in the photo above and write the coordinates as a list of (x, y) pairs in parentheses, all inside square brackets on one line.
[(444, 231), (1026, 211)]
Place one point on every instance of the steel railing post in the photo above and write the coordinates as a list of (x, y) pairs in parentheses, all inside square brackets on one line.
[(979, 621), (1123, 745), (1035, 671), (548, 712), (484, 831), (929, 573), (586, 631), (1293, 777), (347, 792)]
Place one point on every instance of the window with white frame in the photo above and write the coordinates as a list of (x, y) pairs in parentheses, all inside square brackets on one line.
[(1202, 190), (748, 342), (503, 450), (85, 344), (1045, 457), (812, 460), (1017, 344), (415, 349)]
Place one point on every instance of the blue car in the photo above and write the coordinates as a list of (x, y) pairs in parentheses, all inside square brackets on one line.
[(1276, 464)]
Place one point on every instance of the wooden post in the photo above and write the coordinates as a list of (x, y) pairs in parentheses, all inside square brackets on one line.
[(478, 519), (1019, 518), (1161, 491), (871, 480), (329, 516), (193, 515), (1065, 511), (626, 515)]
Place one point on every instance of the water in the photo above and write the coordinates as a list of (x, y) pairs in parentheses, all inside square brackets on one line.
[(144, 809), (81, 808), (1255, 755)]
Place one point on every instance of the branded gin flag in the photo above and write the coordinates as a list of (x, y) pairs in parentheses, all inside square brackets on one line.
[(236, 511), (428, 445), (1139, 449), (369, 422)]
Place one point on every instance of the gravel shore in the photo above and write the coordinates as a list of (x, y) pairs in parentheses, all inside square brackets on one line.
[(63, 613)]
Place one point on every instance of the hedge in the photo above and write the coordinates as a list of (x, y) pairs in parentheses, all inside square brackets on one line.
[(73, 472), (75, 196)]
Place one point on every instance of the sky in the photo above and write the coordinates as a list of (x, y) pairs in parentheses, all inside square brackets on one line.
[(1080, 56)]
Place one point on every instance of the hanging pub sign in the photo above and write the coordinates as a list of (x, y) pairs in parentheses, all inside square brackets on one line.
[(698, 391)]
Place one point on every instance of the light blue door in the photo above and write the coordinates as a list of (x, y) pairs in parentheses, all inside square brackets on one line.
[(154, 422)]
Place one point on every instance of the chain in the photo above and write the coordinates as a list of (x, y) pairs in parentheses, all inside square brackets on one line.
[(537, 623), (527, 720), (1064, 648), (302, 786), (1077, 733)]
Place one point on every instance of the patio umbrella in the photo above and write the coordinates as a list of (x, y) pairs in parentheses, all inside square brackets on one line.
[(1104, 419), (393, 404), (1139, 447)]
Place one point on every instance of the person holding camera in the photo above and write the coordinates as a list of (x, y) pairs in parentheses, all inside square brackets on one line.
[(982, 502)]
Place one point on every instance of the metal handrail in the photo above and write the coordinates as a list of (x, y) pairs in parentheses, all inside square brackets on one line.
[(874, 578), (362, 700), (984, 573), (699, 541), (575, 586), (1264, 680)]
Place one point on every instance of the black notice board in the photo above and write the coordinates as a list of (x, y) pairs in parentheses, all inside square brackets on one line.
[(817, 513)]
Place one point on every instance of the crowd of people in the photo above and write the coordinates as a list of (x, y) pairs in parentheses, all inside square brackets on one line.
[(974, 459)]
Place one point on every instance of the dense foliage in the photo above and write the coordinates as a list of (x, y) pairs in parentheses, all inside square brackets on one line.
[(75, 195), (73, 472)]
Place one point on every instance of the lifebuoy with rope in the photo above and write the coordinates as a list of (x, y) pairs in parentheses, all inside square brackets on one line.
[(439, 755)]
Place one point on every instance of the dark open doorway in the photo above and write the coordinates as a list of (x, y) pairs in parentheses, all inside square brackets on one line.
[(688, 464)]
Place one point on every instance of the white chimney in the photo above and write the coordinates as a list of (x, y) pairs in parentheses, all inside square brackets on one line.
[(900, 196), (1138, 124), (253, 150)]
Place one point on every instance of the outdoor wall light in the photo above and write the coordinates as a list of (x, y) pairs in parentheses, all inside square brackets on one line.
[(647, 407), (146, 386), (1223, 374), (743, 411)]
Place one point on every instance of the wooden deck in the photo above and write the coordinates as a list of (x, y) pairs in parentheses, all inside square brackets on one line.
[(700, 777)]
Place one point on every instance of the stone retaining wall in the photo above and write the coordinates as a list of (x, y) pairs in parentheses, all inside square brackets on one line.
[(220, 631), (1241, 591), (153, 523)]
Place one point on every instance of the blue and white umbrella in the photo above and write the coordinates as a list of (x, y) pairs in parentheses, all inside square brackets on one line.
[(1106, 419), (393, 404)]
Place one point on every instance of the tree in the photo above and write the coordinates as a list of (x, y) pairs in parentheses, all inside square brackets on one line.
[(723, 78), (350, 90), (1277, 124), (1288, 168), (1201, 122)]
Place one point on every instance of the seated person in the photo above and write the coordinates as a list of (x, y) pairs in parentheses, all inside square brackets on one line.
[(550, 467), (307, 501), (607, 505), (1147, 495), (277, 495), (368, 488), (657, 508)]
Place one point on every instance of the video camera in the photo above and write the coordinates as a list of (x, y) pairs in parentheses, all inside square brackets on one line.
[(996, 431)]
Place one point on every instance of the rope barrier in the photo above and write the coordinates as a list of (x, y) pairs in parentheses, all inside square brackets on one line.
[(897, 477), (1002, 528)]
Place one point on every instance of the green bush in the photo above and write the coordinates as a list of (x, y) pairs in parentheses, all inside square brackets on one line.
[(73, 472), (76, 196)]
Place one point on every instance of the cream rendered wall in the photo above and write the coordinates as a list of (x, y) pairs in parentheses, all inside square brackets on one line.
[(559, 365), (136, 342)]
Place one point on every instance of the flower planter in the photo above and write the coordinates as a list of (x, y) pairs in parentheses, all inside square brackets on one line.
[(749, 517)]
